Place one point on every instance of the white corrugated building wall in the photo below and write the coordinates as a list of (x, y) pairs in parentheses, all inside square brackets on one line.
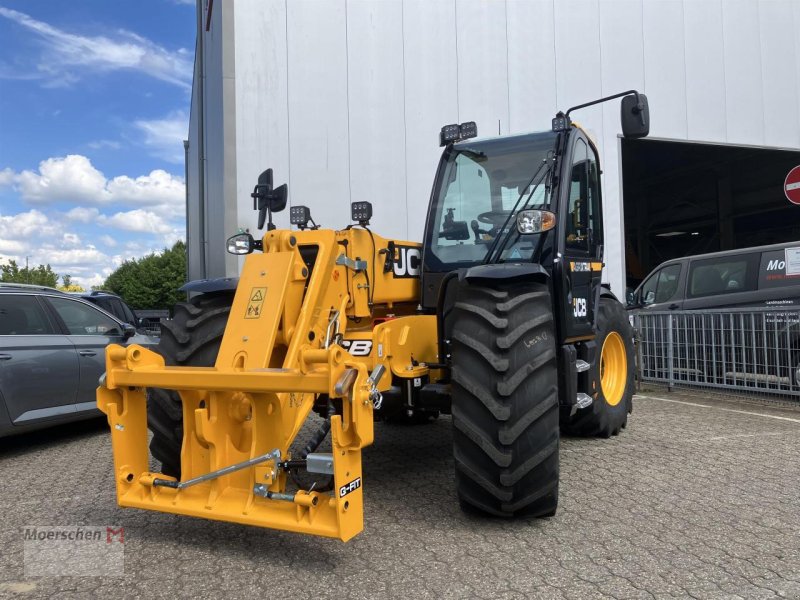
[(345, 99)]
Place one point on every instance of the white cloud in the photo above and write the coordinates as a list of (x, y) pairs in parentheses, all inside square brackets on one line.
[(165, 193), (33, 235), (101, 144), (108, 240), (68, 56), (6, 177), (71, 239), (73, 179), (139, 220), (75, 258), (43, 240), (82, 214), (165, 136), (28, 226)]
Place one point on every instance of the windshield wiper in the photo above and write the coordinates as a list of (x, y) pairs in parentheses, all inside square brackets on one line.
[(472, 153), (491, 251)]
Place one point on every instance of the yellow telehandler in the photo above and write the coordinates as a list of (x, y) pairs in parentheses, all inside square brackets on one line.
[(498, 318)]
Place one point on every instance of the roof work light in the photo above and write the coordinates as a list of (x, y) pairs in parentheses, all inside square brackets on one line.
[(455, 132)]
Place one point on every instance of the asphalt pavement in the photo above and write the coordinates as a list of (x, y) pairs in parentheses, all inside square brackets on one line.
[(696, 498)]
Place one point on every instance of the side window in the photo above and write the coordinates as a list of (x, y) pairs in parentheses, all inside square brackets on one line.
[(667, 283), (468, 195), (595, 208), (725, 275), (82, 319), (578, 208), (116, 309), (22, 315), (129, 316), (648, 290), (772, 272), (105, 304)]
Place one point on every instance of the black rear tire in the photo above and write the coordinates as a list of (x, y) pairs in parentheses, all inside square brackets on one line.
[(505, 399), (191, 338), (608, 416)]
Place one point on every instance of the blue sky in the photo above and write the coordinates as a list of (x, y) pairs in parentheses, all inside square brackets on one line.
[(94, 104)]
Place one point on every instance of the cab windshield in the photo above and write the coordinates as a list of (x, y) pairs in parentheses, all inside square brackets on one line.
[(480, 184)]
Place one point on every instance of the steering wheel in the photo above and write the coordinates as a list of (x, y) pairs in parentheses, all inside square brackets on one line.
[(494, 218)]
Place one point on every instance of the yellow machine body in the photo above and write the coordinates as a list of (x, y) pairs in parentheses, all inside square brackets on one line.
[(283, 346)]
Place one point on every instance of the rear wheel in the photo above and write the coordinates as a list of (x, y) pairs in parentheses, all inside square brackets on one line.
[(608, 413), (191, 338), (505, 399)]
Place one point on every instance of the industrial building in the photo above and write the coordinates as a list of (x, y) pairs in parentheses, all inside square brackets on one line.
[(345, 100)]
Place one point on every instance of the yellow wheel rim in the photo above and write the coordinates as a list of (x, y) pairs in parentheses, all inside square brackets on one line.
[(613, 368)]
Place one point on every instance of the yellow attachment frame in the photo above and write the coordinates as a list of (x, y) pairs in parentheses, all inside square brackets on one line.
[(276, 355)]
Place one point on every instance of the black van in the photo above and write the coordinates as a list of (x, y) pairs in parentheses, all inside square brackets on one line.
[(765, 276)]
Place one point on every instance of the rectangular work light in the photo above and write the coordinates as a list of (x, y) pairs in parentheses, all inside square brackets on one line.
[(455, 133), (361, 212), (300, 216)]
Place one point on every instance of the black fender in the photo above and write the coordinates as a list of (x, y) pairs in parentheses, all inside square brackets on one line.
[(507, 271), (605, 292), (490, 272), (205, 286)]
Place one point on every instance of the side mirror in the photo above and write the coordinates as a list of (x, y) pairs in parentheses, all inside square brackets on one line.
[(241, 243), (267, 200), (635, 116), (128, 331), (630, 298)]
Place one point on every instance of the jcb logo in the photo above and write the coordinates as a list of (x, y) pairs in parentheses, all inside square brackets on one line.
[(357, 347), (407, 262), (579, 307)]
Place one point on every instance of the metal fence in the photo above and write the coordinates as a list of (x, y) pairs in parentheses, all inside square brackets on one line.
[(153, 330), (755, 351)]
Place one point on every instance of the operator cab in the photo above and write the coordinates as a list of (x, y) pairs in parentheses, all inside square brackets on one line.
[(527, 203), (479, 185)]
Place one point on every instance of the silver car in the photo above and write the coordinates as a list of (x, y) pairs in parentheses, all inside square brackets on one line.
[(52, 353)]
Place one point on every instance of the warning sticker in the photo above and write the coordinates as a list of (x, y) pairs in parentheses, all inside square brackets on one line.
[(256, 302), (793, 261)]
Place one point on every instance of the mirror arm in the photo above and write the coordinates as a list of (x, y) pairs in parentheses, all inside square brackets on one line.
[(639, 105)]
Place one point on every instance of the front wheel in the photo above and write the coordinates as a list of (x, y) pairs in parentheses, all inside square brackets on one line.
[(505, 399), (191, 338), (613, 374)]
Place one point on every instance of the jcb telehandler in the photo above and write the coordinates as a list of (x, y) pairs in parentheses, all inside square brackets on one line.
[(499, 318)]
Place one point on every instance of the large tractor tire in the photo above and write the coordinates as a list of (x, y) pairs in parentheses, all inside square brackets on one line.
[(505, 399), (613, 370), (191, 338)]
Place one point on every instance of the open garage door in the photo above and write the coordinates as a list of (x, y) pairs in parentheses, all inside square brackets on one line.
[(683, 198)]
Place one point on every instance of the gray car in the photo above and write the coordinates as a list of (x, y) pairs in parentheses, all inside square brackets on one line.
[(52, 353)]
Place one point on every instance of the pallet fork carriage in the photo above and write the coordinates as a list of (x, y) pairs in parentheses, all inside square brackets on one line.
[(510, 332), (254, 402)]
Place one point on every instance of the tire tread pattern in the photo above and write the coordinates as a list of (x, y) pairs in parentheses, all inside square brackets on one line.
[(191, 338), (505, 399)]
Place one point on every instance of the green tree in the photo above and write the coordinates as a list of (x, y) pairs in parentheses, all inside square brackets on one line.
[(38, 275), (151, 282)]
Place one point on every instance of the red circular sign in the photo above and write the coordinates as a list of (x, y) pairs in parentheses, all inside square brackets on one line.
[(791, 186)]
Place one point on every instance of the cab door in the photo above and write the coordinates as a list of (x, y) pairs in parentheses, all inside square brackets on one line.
[(581, 240)]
